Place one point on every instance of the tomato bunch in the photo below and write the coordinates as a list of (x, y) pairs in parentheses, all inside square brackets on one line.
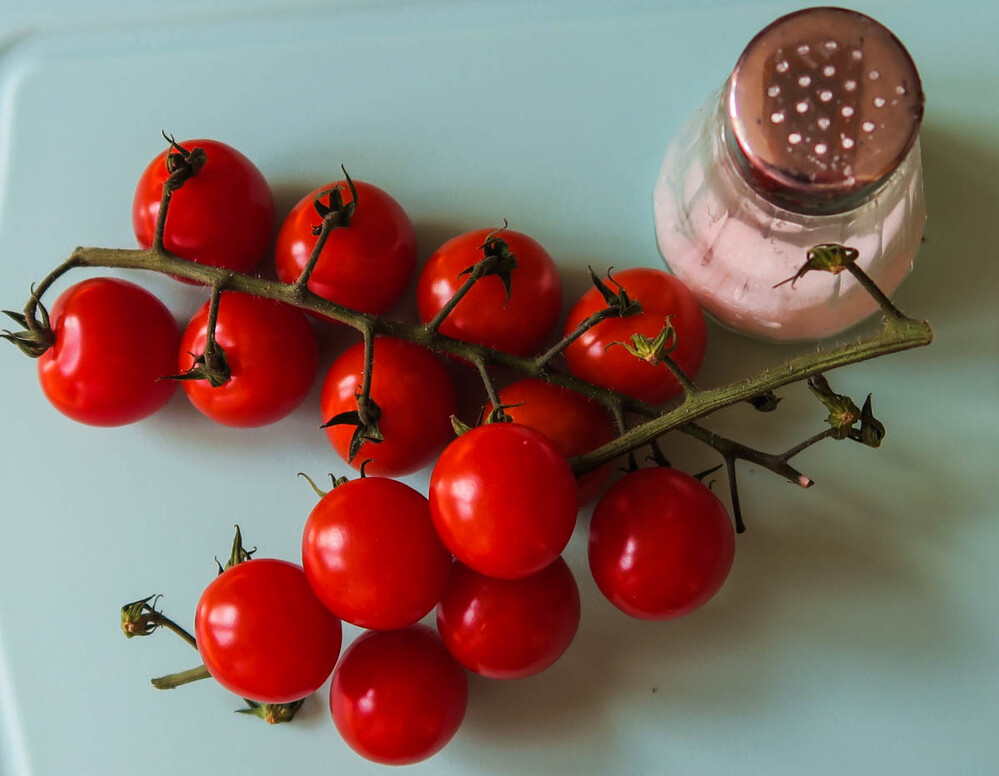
[(483, 547)]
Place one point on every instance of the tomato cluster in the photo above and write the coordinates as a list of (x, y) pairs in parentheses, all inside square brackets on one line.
[(484, 547)]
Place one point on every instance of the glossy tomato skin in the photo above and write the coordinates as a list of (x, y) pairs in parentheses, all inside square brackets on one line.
[(485, 316), (398, 697), (573, 422), (661, 544), (416, 396), (272, 355), (372, 556), (222, 216), (503, 500), (509, 629), (366, 266), (592, 358), (113, 341), (263, 634)]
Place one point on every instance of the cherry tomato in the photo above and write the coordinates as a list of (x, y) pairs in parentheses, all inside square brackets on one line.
[(592, 358), (263, 634), (413, 391), (398, 697), (272, 355), (371, 554), (366, 266), (509, 629), (222, 216), (485, 316), (661, 544), (503, 500), (574, 423), (113, 341)]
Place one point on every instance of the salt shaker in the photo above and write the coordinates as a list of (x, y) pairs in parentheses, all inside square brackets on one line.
[(813, 139)]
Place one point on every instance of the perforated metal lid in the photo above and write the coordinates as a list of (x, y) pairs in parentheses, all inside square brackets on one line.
[(823, 105)]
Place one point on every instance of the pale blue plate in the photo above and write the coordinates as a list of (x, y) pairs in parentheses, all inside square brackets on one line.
[(858, 632)]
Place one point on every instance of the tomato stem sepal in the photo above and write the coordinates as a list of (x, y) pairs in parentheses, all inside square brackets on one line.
[(238, 554), (272, 713), (34, 338), (210, 365), (365, 422), (140, 618)]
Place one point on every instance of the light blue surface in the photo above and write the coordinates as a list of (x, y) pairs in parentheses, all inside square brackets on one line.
[(858, 632)]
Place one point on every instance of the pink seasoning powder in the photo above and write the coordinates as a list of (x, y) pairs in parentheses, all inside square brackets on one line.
[(766, 170)]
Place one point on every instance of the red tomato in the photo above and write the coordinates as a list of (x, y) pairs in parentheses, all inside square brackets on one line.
[(485, 316), (263, 634), (503, 499), (371, 554), (661, 544), (223, 216), (592, 359), (366, 266), (574, 423), (113, 341), (272, 355), (509, 629), (398, 697), (415, 394)]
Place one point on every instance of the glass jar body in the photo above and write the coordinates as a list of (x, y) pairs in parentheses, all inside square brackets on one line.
[(731, 245)]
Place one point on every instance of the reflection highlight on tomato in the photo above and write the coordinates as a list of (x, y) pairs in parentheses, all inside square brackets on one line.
[(503, 500), (366, 266), (398, 697), (518, 324), (596, 358), (416, 397), (222, 216), (272, 355), (372, 556), (661, 544), (574, 423), (113, 343), (509, 629), (263, 634)]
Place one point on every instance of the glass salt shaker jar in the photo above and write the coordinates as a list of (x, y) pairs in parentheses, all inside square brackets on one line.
[(813, 139)]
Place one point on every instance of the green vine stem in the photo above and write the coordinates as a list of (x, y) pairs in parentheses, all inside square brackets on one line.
[(898, 333), (172, 681)]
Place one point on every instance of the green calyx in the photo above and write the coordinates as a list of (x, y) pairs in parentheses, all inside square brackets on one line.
[(652, 350), (365, 422), (35, 337), (497, 259), (618, 301), (335, 213), (140, 618), (237, 555), (181, 163), (828, 257), (272, 713)]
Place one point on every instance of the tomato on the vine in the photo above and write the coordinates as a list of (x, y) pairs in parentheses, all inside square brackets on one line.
[(509, 629), (661, 544), (113, 343), (596, 358), (503, 500), (398, 697), (485, 315), (573, 422), (272, 355), (371, 554), (222, 216), (263, 634), (414, 393), (366, 266)]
